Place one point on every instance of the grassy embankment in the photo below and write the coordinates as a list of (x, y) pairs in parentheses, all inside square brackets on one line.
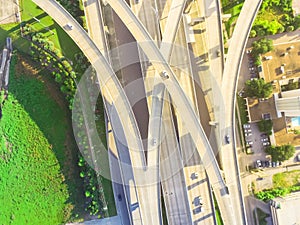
[(39, 180)]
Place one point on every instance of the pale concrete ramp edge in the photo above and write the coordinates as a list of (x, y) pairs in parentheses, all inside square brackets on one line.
[(229, 86)]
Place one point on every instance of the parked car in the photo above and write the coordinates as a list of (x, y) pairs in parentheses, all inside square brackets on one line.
[(264, 139), (267, 163), (248, 134), (246, 125), (249, 142), (258, 163), (266, 143)]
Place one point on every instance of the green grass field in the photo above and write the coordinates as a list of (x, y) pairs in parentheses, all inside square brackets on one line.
[(36, 185), (47, 26), (286, 179)]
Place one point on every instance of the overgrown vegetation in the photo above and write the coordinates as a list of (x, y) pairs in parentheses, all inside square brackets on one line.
[(35, 185), (286, 179), (280, 153), (44, 52), (258, 88), (283, 184), (275, 16)]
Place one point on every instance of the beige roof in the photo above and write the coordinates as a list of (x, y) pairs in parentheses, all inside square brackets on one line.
[(296, 7), (288, 211)]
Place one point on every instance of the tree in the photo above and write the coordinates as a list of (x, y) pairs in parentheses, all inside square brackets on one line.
[(265, 126), (252, 33), (280, 153), (258, 88), (262, 46)]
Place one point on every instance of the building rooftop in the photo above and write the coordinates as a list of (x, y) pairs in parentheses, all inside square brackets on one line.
[(285, 211)]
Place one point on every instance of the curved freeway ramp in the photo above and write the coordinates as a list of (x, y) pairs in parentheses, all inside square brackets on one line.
[(229, 85), (183, 105), (114, 95)]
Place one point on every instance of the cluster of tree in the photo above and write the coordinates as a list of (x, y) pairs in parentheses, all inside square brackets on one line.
[(276, 192), (43, 51), (259, 47), (265, 126), (280, 153), (258, 88), (95, 203), (284, 21)]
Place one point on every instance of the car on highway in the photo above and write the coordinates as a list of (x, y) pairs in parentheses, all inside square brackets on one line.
[(154, 141), (227, 139), (164, 74), (70, 26), (119, 197)]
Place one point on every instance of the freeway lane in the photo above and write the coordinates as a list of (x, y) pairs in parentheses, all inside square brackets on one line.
[(183, 106), (229, 85), (182, 103)]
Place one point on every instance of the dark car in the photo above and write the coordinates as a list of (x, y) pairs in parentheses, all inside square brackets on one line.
[(227, 139), (119, 197), (267, 163)]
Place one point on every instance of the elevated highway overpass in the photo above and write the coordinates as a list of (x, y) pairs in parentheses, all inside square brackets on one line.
[(229, 86), (183, 106)]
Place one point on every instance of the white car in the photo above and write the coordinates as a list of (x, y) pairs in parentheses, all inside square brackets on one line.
[(248, 134), (246, 125), (258, 163), (70, 26), (249, 143), (164, 74)]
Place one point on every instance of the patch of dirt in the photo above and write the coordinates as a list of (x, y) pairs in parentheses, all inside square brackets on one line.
[(282, 137)]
